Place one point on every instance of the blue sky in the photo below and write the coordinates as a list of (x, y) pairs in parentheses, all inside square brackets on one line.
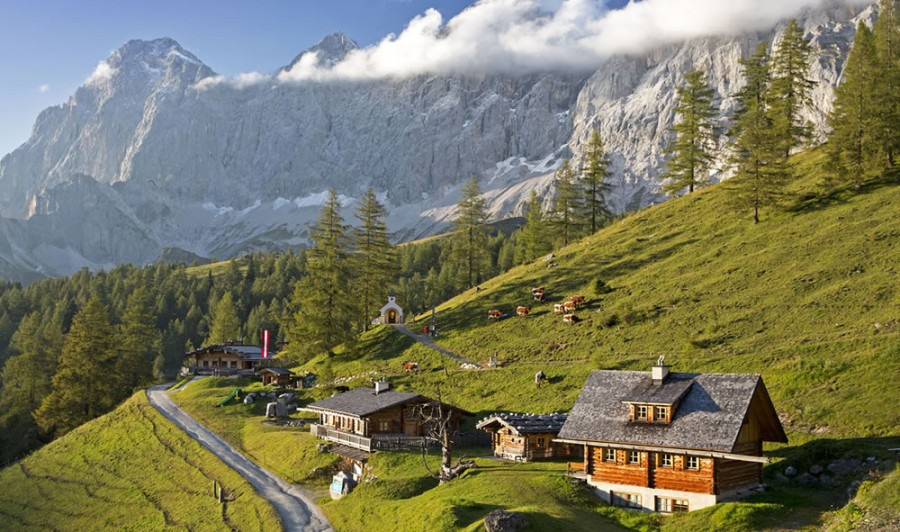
[(49, 47)]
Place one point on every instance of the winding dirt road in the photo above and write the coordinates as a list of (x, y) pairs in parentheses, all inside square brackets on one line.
[(296, 509)]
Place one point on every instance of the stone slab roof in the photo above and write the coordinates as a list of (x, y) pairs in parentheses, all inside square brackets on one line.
[(362, 401), (246, 352), (668, 393), (525, 423), (709, 417)]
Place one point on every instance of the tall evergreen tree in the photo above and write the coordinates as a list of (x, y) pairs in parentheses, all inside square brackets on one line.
[(887, 88), (691, 152), (87, 360), (225, 323), (470, 238), (374, 265), (532, 240), (758, 156), (790, 87), (139, 343), (566, 205), (322, 304), (852, 146), (594, 173)]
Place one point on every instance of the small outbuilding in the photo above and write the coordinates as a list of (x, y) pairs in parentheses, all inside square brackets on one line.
[(275, 376), (527, 437), (391, 312)]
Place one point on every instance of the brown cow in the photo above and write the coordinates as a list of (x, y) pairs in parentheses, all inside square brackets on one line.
[(537, 293), (494, 314), (570, 318), (559, 309), (578, 300), (522, 311), (569, 306), (411, 367)]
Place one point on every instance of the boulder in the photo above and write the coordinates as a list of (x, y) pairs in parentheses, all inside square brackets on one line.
[(816, 470), (790, 471), (248, 400), (843, 466), (806, 480), (501, 521)]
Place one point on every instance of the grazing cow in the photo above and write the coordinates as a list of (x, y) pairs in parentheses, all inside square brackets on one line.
[(569, 306), (559, 309), (537, 293), (522, 311), (539, 377), (578, 300), (570, 318), (494, 314), (411, 367)]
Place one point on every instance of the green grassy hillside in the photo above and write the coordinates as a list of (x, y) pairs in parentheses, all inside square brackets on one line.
[(130, 469)]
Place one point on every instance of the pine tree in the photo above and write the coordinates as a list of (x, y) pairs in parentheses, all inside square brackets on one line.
[(225, 323), (595, 171), (80, 387), (470, 239), (374, 265), (566, 205), (322, 304), (790, 87), (758, 156), (532, 241), (887, 87), (139, 343), (852, 147), (691, 153)]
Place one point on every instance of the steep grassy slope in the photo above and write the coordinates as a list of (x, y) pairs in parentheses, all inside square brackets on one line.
[(130, 469)]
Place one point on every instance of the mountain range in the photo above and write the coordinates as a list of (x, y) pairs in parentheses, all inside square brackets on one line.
[(156, 152)]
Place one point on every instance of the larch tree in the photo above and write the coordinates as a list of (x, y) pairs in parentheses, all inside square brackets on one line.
[(375, 257), (322, 305), (595, 170), (225, 323), (79, 393), (139, 343), (566, 205), (790, 87), (853, 150), (470, 238), (691, 152), (887, 87), (532, 240), (759, 164)]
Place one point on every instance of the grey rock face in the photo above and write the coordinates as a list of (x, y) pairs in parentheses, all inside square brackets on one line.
[(501, 521), (180, 158)]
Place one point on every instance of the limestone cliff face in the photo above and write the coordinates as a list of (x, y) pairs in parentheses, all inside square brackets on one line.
[(157, 151)]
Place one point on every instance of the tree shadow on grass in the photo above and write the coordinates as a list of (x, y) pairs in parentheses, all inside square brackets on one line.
[(811, 202)]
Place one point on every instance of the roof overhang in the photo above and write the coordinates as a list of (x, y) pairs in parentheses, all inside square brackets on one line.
[(673, 450)]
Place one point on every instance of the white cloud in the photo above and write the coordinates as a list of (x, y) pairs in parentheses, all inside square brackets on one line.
[(102, 73), (512, 36), (44, 89), (241, 81)]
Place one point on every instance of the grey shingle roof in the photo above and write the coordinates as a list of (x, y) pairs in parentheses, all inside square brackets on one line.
[(362, 401), (709, 417), (246, 352), (526, 423), (668, 394), (277, 371)]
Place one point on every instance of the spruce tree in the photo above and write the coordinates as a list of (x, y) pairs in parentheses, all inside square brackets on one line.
[(566, 205), (691, 152), (470, 239), (758, 157), (322, 302), (790, 87), (80, 387), (594, 173), (225, 323), (375, 257), (852, 146), (139, 343), (887, 87)]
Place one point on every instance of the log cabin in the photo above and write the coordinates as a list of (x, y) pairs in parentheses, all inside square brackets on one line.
[(229, 358), (371, 419), (669, 442), (527, 437), (275, 376)]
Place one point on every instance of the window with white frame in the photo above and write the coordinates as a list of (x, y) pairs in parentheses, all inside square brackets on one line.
[(660, 413), (693, 462), (641, 412), (609, 455), (634, 457), (666, 460), (679, 505), (625, 500)]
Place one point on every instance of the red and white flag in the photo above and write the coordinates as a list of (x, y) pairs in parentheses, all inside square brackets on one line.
[(265, 343)]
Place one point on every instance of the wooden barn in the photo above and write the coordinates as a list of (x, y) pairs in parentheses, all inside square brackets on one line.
[(275, 376), (527, 437), (229, 358), (371, 419), (669, 442)]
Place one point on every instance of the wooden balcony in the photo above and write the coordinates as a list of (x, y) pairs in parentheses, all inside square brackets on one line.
[(338, 436)]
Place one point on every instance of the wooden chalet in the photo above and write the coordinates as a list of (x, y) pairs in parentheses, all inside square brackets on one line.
[(371, 419), (275, 376), (669, 442), (231, 358), (527, 437)]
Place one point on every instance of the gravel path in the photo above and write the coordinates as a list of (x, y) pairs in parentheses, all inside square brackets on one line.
[(426, 341), (296, 509)]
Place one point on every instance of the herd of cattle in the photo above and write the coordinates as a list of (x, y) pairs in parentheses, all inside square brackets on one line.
[(567, 308)]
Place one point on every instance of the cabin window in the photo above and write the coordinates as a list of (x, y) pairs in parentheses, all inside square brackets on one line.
[(667, 505), (693, 462), (540, 442), (666, 460), (641, 412), (634, 457), (660, 413), (609, 455), (626, 500), (215, 363), (206, 363), (234, 363), (384, 426), (679, 505)]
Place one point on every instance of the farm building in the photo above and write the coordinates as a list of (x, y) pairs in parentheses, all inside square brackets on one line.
[(527, 437), (391, 312), (225, 358), (371, 419), (275, 376), (668, 442)]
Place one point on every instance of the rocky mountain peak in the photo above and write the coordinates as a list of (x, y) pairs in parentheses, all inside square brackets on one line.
[(331, 50)]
